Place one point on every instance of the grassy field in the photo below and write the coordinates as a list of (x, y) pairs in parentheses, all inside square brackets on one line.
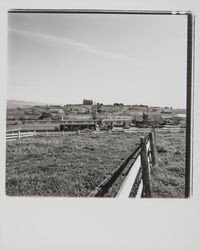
[(168, 178), (66, 165), (74, 165)]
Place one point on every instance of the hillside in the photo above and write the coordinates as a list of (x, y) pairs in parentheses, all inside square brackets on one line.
[(22, 104)]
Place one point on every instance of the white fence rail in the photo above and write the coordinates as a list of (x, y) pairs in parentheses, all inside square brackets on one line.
[(136, 182), (14, 135)]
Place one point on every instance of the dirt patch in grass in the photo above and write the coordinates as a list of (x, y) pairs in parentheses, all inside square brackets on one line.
[(72, 165)]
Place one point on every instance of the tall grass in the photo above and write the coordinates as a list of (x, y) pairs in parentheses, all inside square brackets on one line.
[(168, 178), (71, 165)]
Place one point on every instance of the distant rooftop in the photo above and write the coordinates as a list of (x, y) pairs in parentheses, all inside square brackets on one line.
[(180, 115), (53, 110), (166, 111), (117, 119), (166, 116)]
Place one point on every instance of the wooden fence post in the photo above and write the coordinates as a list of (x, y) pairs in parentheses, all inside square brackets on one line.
[(153, 151), (145, 169), (19, 134), (154, 136)]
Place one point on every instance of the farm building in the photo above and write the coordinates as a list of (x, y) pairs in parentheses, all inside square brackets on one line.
[(57, 114), (74, 125), (79, 117), (167, 118), (113, 109), (179, 118), (156, 118), (56, 111), (116, 122), (166, 111), (78, 109)]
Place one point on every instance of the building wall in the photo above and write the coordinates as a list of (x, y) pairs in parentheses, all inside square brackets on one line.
[(116, 123)]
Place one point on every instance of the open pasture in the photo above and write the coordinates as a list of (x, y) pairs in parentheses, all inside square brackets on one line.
[(71, 165), (74, 165), (168, 178)]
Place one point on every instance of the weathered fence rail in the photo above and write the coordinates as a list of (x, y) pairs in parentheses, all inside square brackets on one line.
[(107, 183), (12, 135), (17, 134), (138, 165)]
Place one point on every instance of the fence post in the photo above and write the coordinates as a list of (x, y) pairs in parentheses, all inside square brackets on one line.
[(62, 132), (34, 132), (46, 132), (154, 134), (153, 151), (19, 134), (145, 169)]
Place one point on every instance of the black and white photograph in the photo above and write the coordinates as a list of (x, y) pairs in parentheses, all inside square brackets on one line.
[(98, 104), (99, 123)]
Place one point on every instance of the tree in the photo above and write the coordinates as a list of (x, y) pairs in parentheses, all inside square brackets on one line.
[(118, 104), (144, 116), (94, 112), (45, 115), (99, 106), (87, 102)]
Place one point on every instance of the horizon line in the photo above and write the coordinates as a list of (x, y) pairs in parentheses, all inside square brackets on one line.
[(94, 103)]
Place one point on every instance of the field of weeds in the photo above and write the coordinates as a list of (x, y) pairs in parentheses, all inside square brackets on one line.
[(70, 165), (168, 178)]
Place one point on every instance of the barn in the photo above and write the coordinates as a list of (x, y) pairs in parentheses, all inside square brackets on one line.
[(74, 125), (167, 118), (117, 122)]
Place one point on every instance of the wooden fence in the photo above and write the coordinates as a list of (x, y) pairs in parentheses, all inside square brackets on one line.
[(137, 166), (12, 135), (15, 134)]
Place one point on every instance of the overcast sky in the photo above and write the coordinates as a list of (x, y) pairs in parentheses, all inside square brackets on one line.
[(64, 58)]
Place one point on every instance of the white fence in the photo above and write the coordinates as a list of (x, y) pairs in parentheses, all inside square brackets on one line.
[(138, 167), (12, 135), (17, 134)]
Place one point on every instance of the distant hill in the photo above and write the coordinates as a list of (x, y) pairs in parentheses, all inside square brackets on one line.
[(22, 104)]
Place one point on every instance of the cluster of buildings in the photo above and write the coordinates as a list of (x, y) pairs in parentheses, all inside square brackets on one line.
[(74, 122), (91, 124), (176, 119)]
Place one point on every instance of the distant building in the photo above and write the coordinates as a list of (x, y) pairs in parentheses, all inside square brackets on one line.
[(75, 116), (57, 114), (116, 122), (138, 119), (166, 111), (179, 118), (75, 125), (82, 110), (56, 111), (167, 118)]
